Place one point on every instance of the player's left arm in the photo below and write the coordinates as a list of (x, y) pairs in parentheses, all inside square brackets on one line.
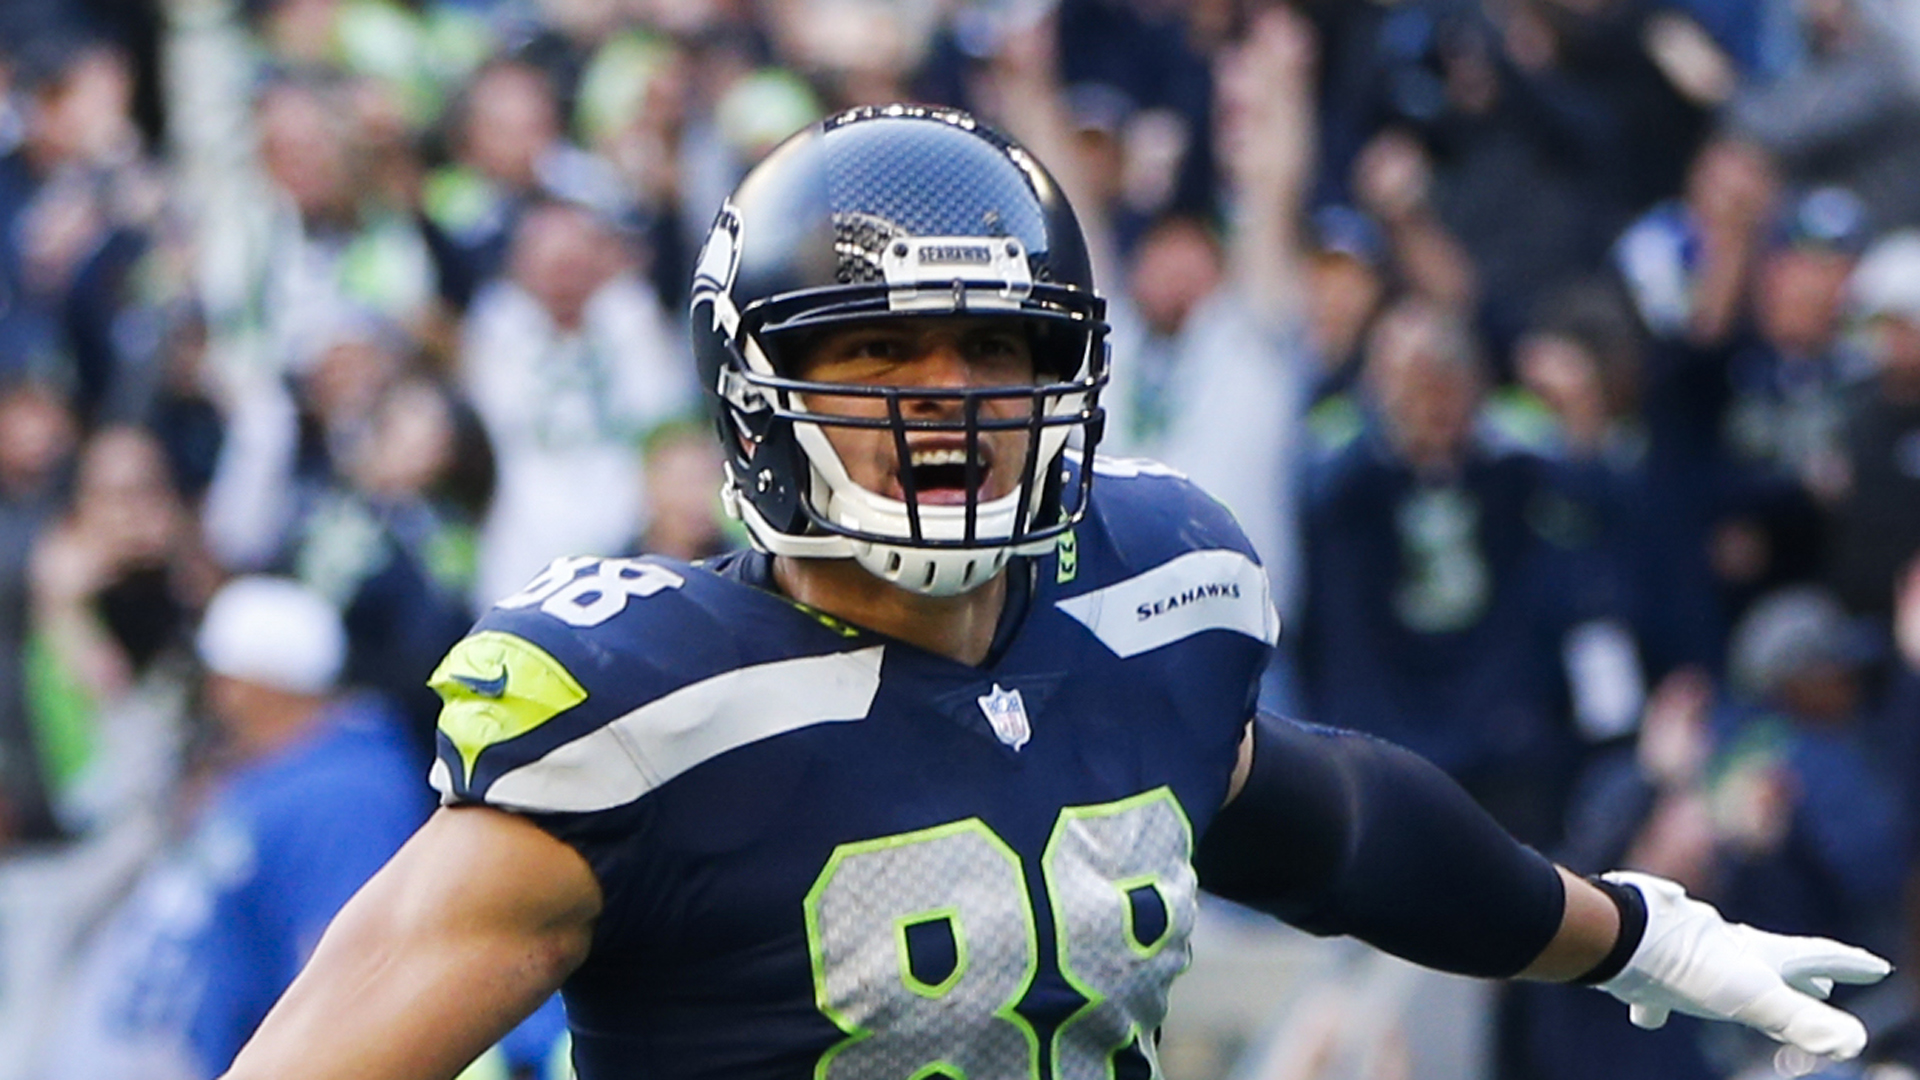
[(1340, 833)]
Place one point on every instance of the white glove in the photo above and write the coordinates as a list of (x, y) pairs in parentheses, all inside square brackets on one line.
[(1692, 960)]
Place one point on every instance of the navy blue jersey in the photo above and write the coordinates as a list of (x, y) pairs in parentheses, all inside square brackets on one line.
[(827, 853)]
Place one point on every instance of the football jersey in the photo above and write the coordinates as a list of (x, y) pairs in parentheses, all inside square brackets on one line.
[(827, 853)]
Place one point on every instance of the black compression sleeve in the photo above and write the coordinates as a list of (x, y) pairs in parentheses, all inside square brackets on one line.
[(1341, 833)]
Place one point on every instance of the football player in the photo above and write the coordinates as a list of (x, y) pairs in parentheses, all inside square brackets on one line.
[(919, 785)]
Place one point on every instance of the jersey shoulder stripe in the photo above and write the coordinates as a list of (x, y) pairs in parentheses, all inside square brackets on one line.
[(1213, 589), (620, 761), (649, 659), (1160, 561)]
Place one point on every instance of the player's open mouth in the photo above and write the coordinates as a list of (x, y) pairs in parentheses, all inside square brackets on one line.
[(939, 474)]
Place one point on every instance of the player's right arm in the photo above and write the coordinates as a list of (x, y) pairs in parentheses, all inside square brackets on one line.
[(473, 924), (1340, 833)]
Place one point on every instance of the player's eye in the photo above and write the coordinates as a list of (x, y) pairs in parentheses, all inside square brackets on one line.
[(875, 347), (994, 346), (1000, 350)]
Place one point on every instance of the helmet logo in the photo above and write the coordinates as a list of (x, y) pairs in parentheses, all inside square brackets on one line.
[(944, 273), (719, 262)]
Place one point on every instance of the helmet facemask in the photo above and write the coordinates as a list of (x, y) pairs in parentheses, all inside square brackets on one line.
[(928, 217), (933, 546)]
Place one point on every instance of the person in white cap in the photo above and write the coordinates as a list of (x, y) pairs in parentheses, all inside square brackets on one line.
[(272, 650), (318, 789)]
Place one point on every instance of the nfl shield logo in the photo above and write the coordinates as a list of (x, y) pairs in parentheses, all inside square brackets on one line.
[(1007, 715)]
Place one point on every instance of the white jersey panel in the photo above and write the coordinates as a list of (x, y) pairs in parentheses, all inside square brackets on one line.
[(1202, 590)]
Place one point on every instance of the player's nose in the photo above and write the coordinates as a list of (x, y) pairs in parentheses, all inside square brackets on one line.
[(943, 364), (940, 363)]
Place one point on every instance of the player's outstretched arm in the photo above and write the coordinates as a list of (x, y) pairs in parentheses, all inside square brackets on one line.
[(474, 922), (1344, 834)]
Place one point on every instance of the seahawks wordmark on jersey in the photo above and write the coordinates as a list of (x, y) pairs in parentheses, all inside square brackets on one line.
[(827, 853)]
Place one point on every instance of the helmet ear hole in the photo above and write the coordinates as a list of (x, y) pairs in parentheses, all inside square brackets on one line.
[(768, 480)]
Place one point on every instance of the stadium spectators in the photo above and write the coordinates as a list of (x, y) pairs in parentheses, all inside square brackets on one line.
[(307, 794), (37, 437), (114, 585), (567, 359), (1848, 114), (389, 253), (1781, 797), (1877, 514), (1431, 576)]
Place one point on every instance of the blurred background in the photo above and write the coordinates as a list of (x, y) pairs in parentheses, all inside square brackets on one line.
[(1561, 357)]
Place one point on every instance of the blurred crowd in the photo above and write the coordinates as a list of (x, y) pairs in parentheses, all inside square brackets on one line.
[(1561, 357)]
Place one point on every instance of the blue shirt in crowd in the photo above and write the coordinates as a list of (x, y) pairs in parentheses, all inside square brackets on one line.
[(218, 926)]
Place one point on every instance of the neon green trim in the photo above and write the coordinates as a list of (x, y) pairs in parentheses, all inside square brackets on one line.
[(1067, 558), (1146, 950), (496, 686), (951, 915), (839, 626)]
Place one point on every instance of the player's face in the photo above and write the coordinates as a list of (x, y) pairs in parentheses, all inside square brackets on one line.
[(934, 354)]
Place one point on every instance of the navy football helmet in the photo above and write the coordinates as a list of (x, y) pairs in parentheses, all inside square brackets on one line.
[(882, 212)]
